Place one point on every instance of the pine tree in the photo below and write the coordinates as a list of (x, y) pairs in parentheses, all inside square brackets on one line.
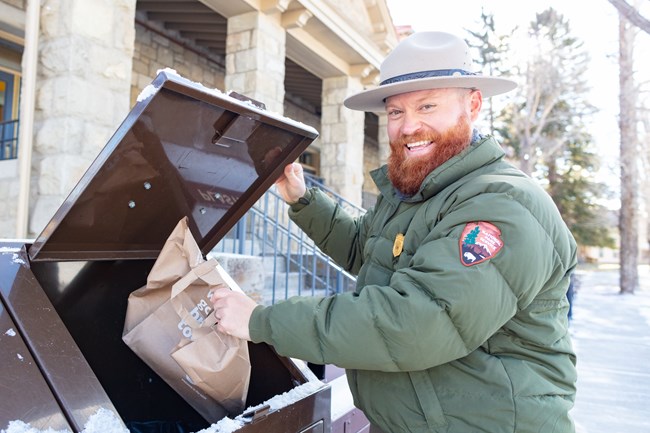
[(492, 54)]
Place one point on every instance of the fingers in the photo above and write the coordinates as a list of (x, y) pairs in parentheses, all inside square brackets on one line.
[(291, 185), (294, 171), (232, 311), (219, 292)]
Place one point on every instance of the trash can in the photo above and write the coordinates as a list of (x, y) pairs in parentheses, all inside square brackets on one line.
[(182, 151)]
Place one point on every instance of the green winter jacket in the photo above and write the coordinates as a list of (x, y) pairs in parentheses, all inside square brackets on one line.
[(459, 320)]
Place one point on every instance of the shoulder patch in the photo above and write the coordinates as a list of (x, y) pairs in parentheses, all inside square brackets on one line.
[(479, 242)]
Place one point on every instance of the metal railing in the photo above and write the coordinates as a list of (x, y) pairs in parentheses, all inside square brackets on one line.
[(9, 139), (293, 262)]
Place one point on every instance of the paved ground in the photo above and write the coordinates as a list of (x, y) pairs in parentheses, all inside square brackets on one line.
[(611, 334)]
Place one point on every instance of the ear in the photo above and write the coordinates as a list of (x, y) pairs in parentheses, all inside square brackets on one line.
[(475, 104)]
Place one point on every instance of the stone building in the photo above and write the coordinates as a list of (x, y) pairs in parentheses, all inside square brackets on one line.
[(70, 70)]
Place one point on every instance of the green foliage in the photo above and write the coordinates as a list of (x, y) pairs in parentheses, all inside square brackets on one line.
[(577, 194)]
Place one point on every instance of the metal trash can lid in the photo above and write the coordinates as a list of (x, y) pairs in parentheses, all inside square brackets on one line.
[(183, 150)]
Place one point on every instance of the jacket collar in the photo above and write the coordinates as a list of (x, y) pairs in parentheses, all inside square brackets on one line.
[(482, 151)]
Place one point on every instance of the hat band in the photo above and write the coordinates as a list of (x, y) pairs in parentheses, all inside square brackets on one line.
[(426, 74)]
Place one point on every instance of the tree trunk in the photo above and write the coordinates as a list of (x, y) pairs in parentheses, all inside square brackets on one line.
[(646, 169), (629, 217)]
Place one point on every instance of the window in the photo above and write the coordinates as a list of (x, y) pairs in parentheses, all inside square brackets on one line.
[(9, 91)]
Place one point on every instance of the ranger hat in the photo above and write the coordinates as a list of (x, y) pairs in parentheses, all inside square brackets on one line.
[(426, 60)]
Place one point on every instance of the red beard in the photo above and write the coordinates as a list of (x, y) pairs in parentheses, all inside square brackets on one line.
[(407, 174)]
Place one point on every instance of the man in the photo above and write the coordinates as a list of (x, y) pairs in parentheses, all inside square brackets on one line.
[(459, 319)]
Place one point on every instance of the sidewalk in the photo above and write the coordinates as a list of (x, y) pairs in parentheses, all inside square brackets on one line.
[(611, 336)]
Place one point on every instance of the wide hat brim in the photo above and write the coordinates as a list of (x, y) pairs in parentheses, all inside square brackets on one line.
[(374, 99)]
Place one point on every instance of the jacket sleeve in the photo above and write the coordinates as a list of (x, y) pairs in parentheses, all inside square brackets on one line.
[(434, 309), (336, 233)]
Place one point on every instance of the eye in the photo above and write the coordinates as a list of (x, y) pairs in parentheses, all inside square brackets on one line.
[(394, 112), (427, 107)]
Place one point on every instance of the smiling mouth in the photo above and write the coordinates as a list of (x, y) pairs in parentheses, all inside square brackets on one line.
[(418, 144)]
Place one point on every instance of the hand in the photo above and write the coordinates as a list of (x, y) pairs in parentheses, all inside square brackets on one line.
[(233, 311), (291, 185)]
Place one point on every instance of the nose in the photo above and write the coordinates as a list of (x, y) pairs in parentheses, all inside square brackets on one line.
[(410, 124)]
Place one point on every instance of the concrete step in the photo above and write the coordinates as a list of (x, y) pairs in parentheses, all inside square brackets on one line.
[(247, 271), (256, 276)]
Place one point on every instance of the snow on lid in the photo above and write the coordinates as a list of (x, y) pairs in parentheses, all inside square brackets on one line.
[(147, 92), (14, 252), (7, 250), (150, 90), (228, 425), (102, 421)]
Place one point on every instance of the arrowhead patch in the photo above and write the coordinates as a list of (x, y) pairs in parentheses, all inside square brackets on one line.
[(479, 242)]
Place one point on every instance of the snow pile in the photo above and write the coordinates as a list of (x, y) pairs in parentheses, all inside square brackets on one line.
[(103, 421), (278, 402), (21, 427), (106, 421)]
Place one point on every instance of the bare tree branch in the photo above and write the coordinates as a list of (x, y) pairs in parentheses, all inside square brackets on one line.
[(631, 14)]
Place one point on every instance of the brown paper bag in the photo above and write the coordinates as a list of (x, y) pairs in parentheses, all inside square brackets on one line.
[(169, 325)]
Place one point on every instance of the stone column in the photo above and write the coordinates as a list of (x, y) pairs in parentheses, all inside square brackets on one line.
[(84, 76), (382, 139), (342, 139), (255, 52)]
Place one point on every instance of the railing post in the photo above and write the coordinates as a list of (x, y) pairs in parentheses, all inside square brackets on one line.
[(339, 281), (315, 269), (241, 234)]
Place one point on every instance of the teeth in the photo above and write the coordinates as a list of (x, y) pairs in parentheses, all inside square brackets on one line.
[(417, 144)]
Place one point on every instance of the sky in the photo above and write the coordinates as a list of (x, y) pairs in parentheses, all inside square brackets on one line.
[(595, 22)]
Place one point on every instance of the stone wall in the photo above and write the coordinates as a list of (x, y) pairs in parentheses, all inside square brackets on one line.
[(84, 71), (9, 186), (343, 139), (157, 48), (370, 162), (295, 112), (94, 62), (255, 53)]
